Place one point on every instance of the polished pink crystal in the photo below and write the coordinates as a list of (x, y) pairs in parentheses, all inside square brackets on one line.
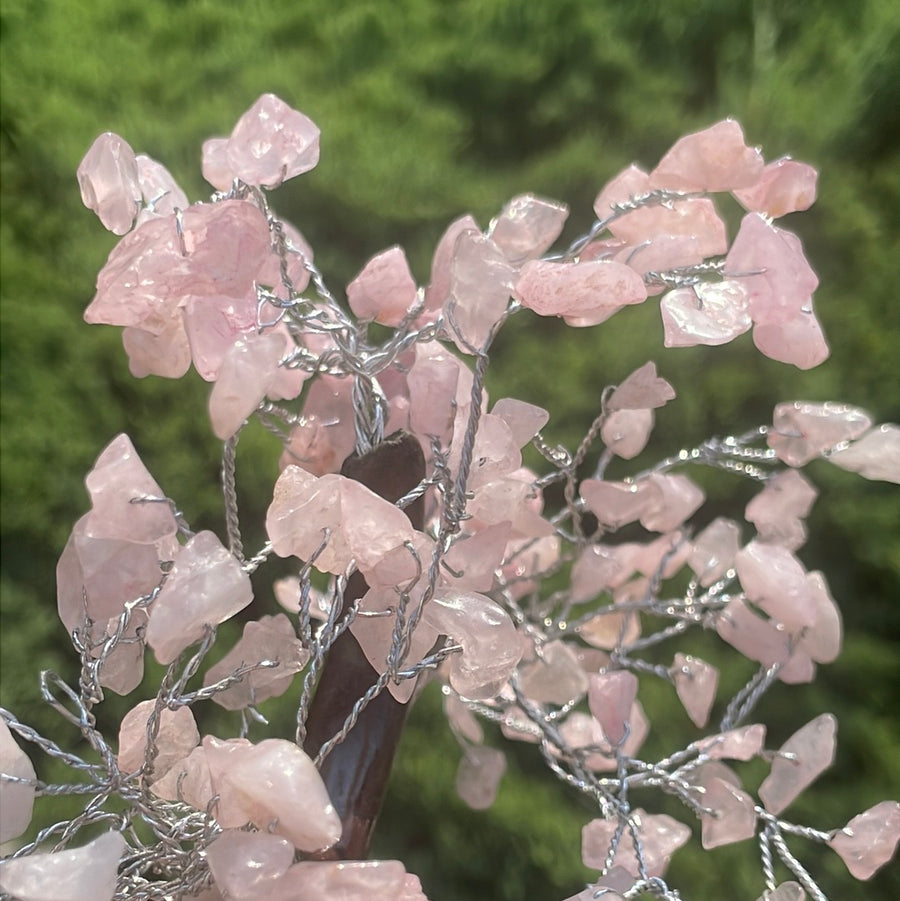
[(514, 499), (495, 454), (433, 382), (775, 580), (109, 182), (785, 186), (438, 290), (743, 743), (601, 567), (610, 698), (626, 432), (269, 638), (798, 340), (176, 736), (16, 798), (706, 313), (206, 586), (802, 430), (630, 182), (799, 762), (478, 777), (189, 782), (874, 456), (715, 159), (246, 865), (617, 503), (869, 840), (75, 874), (214, 166), (524, 420), (160, 191), (385, 289), (162, 349), (778, 510), (271, 143), (212, 325), (472, 560), (673, 499), (643, 389), (695, 684), (714, 549), (582, 293), (660, 836), (528, 226), (351, 880), (554, 677), (733, 818), (123, 667)]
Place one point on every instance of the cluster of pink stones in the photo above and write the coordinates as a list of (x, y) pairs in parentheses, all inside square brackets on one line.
[(209, 283)]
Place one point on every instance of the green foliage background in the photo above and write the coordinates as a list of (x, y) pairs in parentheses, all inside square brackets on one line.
[(429, 109)]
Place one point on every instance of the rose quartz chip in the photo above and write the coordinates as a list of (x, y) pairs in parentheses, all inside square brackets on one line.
[(163, 349), (556, 677), (775, 580), (643, 389), (785, 186), (205, 587), (630, 182), (352, 880), (384, 290), (695, 220), (462, 720), (160, 191), (626, 432), (472, 560), (189, 781), (610, 698), (715, 159), (490, 643), (695, 684), (869, 840), (270, 638), (707, 313), (583, 731), (438, 290), (177, 735), (800, 760), (674, 499), (787, 891), (524, 420), (874, 456), (601, 567), (664, 556), (798, 340), (714, 550), (802, 431), (582, 293), (617, 503), (822, 641), (736, 744), (527, 227), (660, 836), (608, 630), (109, 183), (16, 798), (71, 875), (777, 511), (123, 667), (496, 452), (479, 774), (214, 166), (733, 818), (432, 381), (246, 865), (271, 143)]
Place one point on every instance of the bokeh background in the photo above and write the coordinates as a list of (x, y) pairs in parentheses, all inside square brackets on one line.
[(428, 109)]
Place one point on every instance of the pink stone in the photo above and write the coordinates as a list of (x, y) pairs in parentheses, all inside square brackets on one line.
[(359, 525), (462, 721), (516, 726), (660, 836), (246, 865), (664, 556), (288, 593), (610, 629), (617, 503), (601, 567), (874, 456), (472, 560), (288, 381), (629, 183), (610, 698), (582, 293), (643, 389), (785, 186), (71, 875), (707, 313), (189, 781), (385, 289), (478, 777), (736, 744), (787, 891), (715, 159), (802, 431), (16, 798), (695, 220), (581, 731), (495, 454), (822, 641), (433, 381), (160, 191), (733, 818), (438, 291), (212, 325), (869, 840), (527, 227), (662, 253), (215, 166), (778, 510), (775, 580), (164, 351), (108, 179), (490, 643), (524, 420), (206, 586), (123, 667), (510, 499), (714, 549), (271, 143), (799, 762), (554, 677), (248, 370), (177, 735), (352, 880), (297, 254), (626, 432), (399, 565), (525, 559), (798, 340), (695, 684), (770, 264), (674, 499), (270, 638)]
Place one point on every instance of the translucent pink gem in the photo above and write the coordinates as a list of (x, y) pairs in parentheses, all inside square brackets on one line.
[(215, 166), (802, 431), (610, 629), (707, 313), (733, 818), (799, 762), (478, 777), (123, 667), (715, 159), (495, 455), (246, 865), (778, 510), (661, 253), (205, 587), (696, 220), (160, 191), (490, 643), (190, 782), (617, 503), (163, 349), (610, 698), (775, 580), (581, 731), (629, 183), (601, 567), (743, 743), (626, 432), (554, 677), (798, 340), (176, 736), (695, 684), (785, 186), (822, 640), (438, 291), (874, 456), (371, 880), (527, 227), (660, 836), (212, 325), (71, 875), (511, 499), (643, 389), (108, 178), (385, 289), (472, 560), (272, 143), (787, 891), (664, 556), (462, 720), (288, 593), (270, 638), (583, 293), (674, 498), (869, 840), (524, 420), (433, 381), (16, 798), (714, 549)]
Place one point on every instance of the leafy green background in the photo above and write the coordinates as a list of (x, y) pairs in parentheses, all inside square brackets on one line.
[(429, 109)]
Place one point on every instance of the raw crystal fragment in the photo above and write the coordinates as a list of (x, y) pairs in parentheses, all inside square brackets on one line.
[(214, 166), (160, 191), (351, 880), (617, 503), (438, 290), (695, 684), (462, 721), (714, 550), (733, 818), (601, 567), (527, 227), (189, 782), (472, 560), (643, 389), (802, 430), (16, 798), (799, 762), (385, 289), (659, 836), (610, 698), (176, 736), (626, 432), (674, 499), (785, 186), (524, 420), (774, 579), (869, 840), (71, 875), (797, 340), (122, 669), (778, 510), (874, 456), (554, 677), (706, 313), (822, 640), (478, 777), (433, 381), (246, 865), (109, 182), (787, 891)]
